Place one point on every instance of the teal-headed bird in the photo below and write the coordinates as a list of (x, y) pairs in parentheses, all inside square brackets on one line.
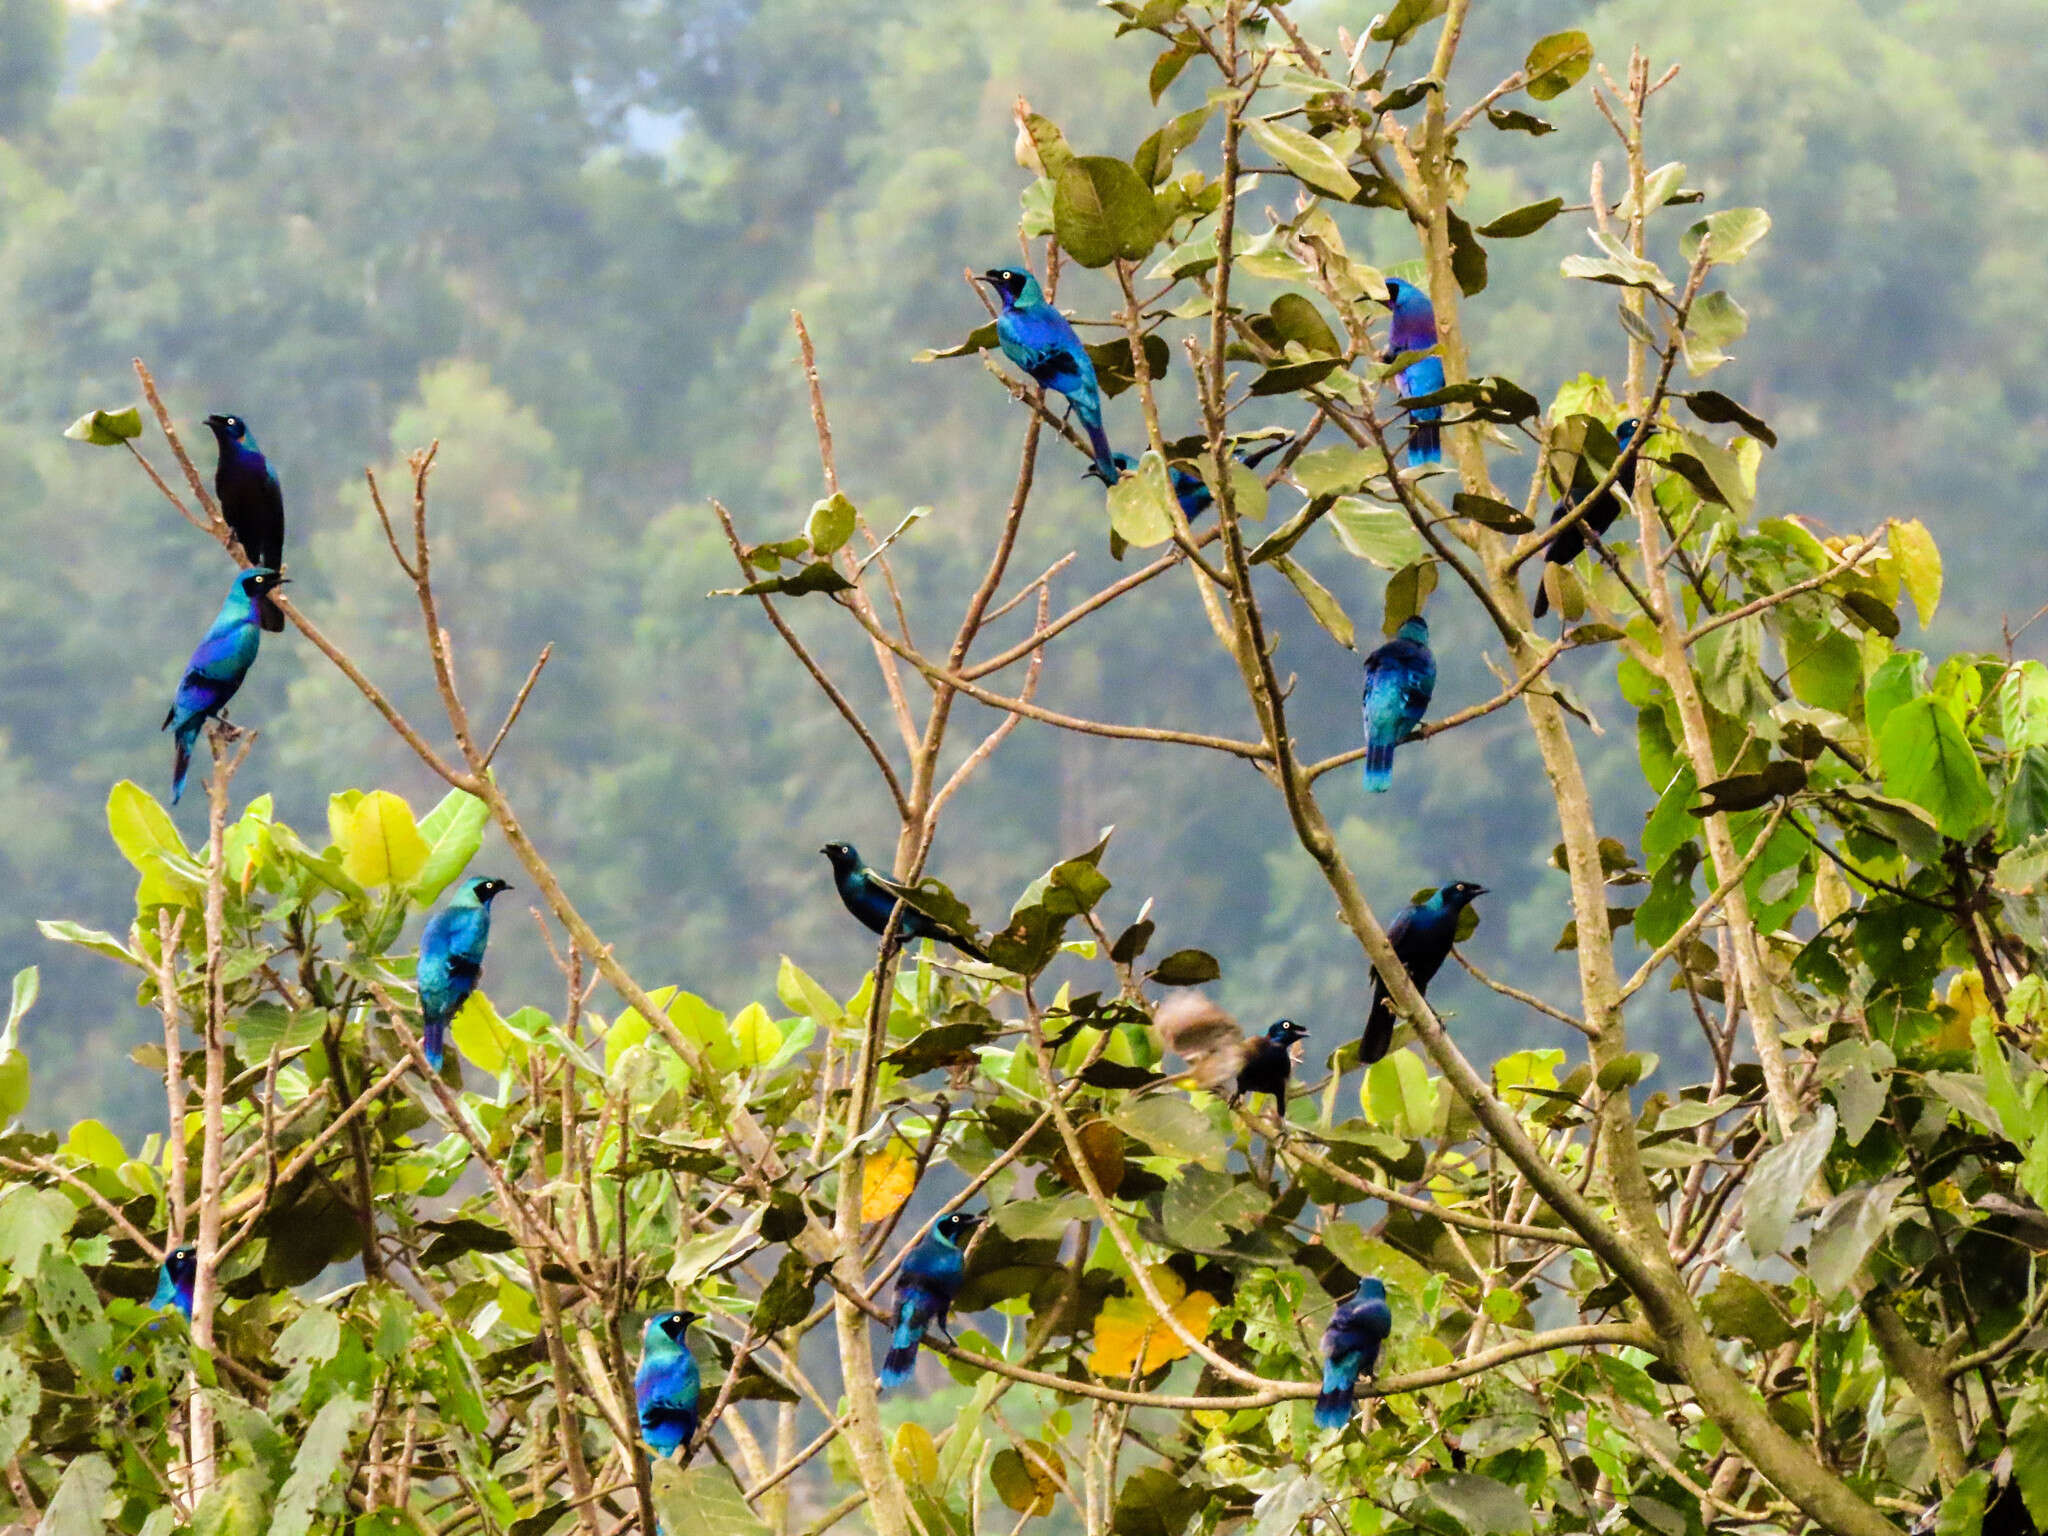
[(452, 958), (666, 1387), (1039, 339), (218, 665)]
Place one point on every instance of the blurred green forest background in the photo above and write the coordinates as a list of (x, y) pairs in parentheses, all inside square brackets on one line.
[(565, 237)]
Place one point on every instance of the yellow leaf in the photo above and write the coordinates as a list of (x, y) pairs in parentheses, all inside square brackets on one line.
[(914, 1454), (886, 1180), (95, 1144), (1919, 559), (480, 1034), (1128, 1333), (381, 844)]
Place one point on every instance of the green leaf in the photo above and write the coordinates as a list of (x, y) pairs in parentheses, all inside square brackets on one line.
[(1382, 535), (1322, 603), (1141, 503), (1525, 220), (1401, 23), (1556, 64), (452, 831), (32, 1221), (1497, 515), (28, 984), (1174, 1128), (1398, 1096), (1408, 594), (1482, 1505), (107, 429), (1739, 1308), (143, 830), (1658, 185), (1846, 1232), (1186, 968), (1782, 1177), (1710, 405), (1200, 1207), (81, 1497), (233, 1506), (313, 1468), (817, 576), (1025, 1484), (1727, 236), (1468, 256), (1507, 120), (70, 1309), (20, 1395), (1715, 323), (1102, 210), (1338, 470), (380, 843), (1928, 762), (830, 524), (1154, 158), (702, 1501), (1305, 155)]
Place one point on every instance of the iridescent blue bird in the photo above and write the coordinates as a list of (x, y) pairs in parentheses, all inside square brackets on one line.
[(1413, 329), (871, 898), (452, 958), (1039, 339), (1570, 544), (666, 1387), (251, 501), (925, 1288), (175, 1280), (1351, 1348), (1269, 1063), (217, 667), (1400, 678), (1422, 936)]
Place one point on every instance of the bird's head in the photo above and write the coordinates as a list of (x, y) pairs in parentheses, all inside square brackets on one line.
[(1015, 287), (228, 429), (258, 580), (1286, 1032), (182, 1265), (485, 887), (959, 1225), (1124, 465), (1404, 298), (1414, 628), (844, 857), (1460, 894), (1372, 1288), (1626, 432)]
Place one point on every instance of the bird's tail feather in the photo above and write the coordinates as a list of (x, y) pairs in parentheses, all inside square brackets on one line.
[(435, 1043), (1379, 765), (1105, 456), (1427, 445), (181, 764), (1379, 1030), (901, 1361), (967, 946), (1333, 1403)]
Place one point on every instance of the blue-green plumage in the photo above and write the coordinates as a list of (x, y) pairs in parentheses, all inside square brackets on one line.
[(1351, 1348), (1400, 678), (452, 959), (925, 1288), (667, 1385), (1189, 488), (871, 898), (1570, 544), (1422, 936), (1413, 329), (1039, 339), (175, 1279), (251, 501), (217, 667)]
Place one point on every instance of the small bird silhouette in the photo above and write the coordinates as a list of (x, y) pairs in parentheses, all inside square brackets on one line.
[(667, 1385), (871, 898), (1400, 678), (1570, 544), (251, 501), (1189, 488), (1422, 936), (218, 665), (1351, 1348), (452, 958), (1413, 329), (925, 1288), (1039, 339)]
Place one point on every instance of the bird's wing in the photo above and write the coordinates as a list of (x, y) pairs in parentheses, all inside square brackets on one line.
[(1203, 1035), (223, 655)]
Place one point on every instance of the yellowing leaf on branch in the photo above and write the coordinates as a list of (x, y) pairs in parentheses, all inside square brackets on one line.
[(380, 842), (886, 1180), (1128, 1333)]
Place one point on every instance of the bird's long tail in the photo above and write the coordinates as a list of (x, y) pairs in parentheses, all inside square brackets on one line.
[(1333, 1403), (1426, 446), (1379, 765), (901, 1361), (181, 763), (1098, 440), (435, 1041), (1379, 1028)]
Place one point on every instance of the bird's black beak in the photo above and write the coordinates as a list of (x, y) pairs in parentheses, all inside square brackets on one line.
[(216, 422), (992, 277)]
